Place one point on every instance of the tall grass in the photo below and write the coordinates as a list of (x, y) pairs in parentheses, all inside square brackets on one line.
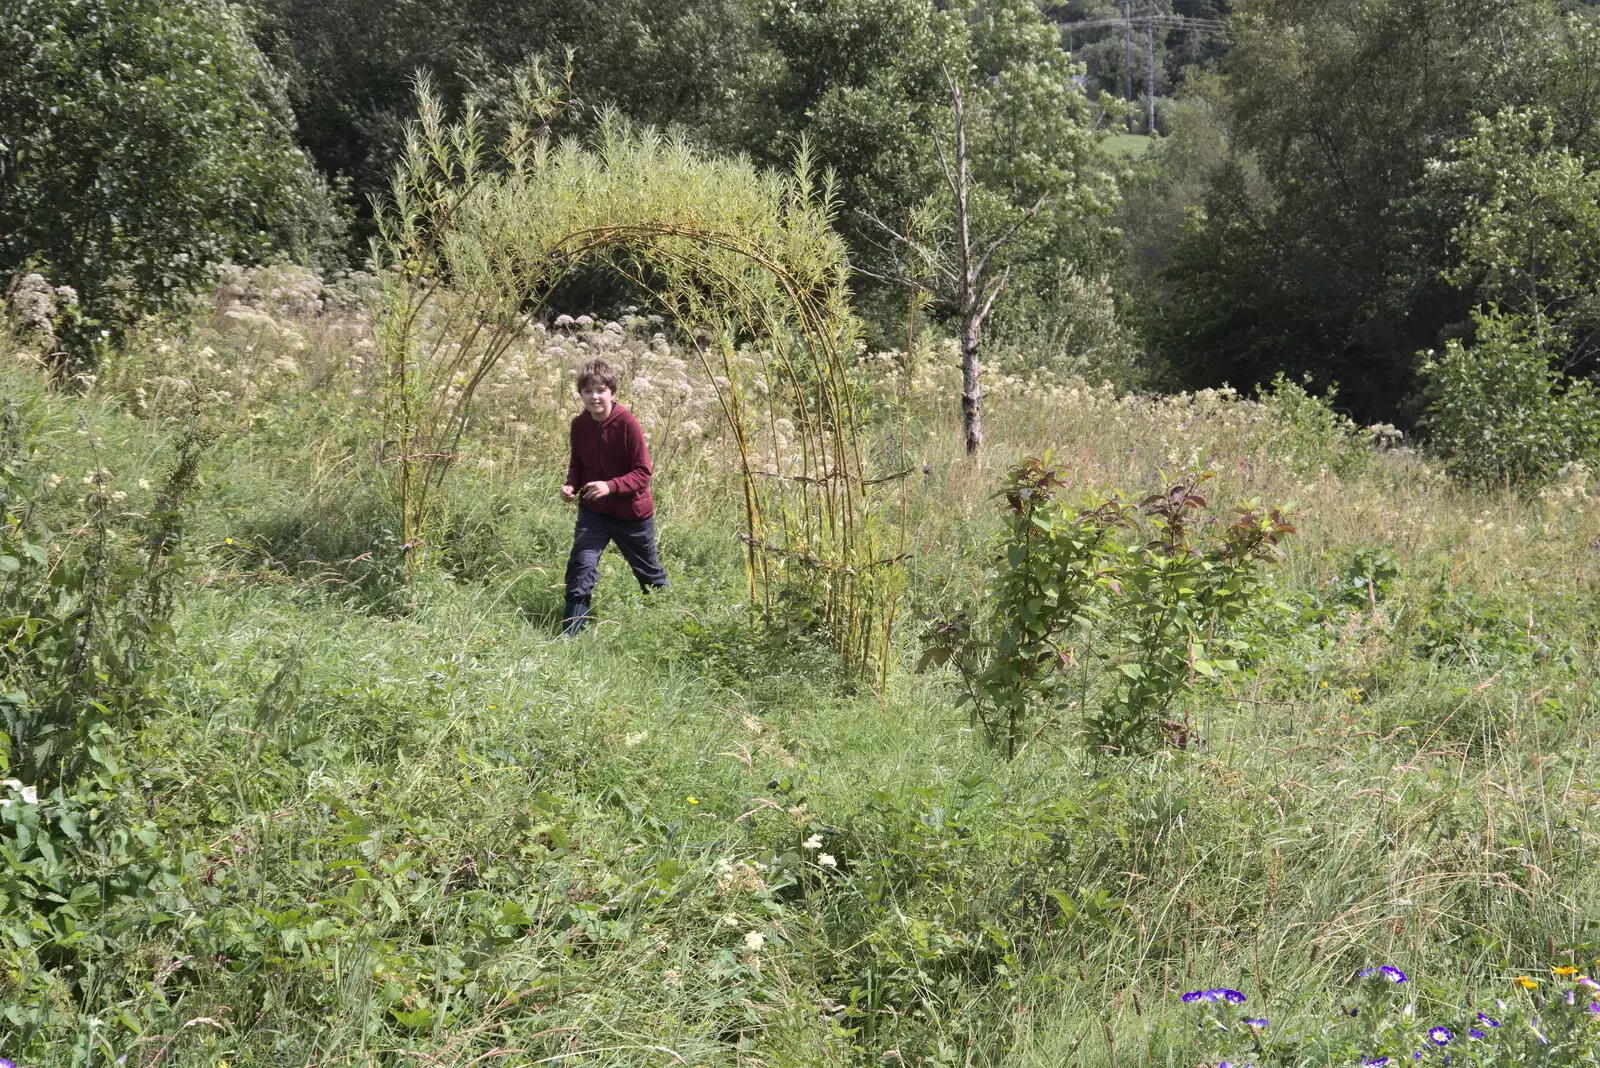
[(400, 824)]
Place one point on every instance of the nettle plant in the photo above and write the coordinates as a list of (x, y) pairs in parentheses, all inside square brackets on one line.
[(86, 607), (1130, 607), (1380, 1025)]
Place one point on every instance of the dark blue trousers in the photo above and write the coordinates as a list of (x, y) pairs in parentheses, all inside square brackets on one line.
[(636, 538)]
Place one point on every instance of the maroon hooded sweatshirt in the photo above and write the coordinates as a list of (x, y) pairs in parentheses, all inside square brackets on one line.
[(613, 452)]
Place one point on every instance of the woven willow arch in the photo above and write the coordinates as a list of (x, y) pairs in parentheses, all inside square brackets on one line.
[(474, 243)]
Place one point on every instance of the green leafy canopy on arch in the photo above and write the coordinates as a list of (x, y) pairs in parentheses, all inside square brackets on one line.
[(477, 237)]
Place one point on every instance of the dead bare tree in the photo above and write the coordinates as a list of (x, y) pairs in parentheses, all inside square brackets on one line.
[(957, 276)]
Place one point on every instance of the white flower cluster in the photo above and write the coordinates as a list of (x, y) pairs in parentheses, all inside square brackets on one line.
[(29, 794), (32, 307), (269, 333), (1169, 429), (531, 389), (1570, 485)]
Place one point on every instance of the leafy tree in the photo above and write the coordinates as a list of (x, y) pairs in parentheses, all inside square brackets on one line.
[(964, 145), (144, 140), (863, 81), (1501, 410), (1499, 413), (1529, 236), (1330, 263), (351, 64)]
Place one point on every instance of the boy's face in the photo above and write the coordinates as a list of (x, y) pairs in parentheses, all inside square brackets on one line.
[(597, 398)]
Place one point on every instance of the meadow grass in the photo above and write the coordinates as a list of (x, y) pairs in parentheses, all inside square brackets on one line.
[(399, 822), (1126, 144)]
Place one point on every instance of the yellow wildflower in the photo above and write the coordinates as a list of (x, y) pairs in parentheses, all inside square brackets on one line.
[(1525, 983), (1564, 970)]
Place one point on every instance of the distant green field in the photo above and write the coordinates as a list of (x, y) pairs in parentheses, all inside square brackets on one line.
[(1131, 145)]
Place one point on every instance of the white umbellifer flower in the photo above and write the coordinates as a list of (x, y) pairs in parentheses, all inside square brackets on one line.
[(826, 860), (144, 483), (814, 842), (54, 481), (754, 940), (30, 794)]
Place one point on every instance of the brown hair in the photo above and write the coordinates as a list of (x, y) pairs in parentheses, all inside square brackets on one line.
[(597, 370)]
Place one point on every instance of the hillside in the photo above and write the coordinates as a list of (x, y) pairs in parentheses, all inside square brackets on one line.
[(356, 816)]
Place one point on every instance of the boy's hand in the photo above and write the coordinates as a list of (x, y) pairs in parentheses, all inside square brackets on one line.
[(595, 490), (569, 494)]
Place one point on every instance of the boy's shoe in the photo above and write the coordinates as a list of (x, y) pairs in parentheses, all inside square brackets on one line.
[(573, 619)]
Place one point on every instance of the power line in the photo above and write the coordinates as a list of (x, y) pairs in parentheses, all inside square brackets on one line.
[(1171, 22), (1127, 56), (1151, 19), (1150, 62)]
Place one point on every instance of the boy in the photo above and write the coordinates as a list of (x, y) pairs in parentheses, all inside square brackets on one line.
[(609, 476)]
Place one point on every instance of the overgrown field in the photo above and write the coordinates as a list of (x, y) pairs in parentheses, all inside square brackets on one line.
[(344, 818)]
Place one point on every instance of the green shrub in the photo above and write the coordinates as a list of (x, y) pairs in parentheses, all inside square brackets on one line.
[(144, 141), (1500, 414), (83, 613), (1156, 594), (1366, 580), (1305, 430)]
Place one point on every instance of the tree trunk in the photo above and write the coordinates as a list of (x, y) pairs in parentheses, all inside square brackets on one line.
[(968, 300), (971, 391)]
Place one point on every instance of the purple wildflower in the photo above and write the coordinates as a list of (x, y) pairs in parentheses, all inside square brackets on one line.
[(1388, 971), (1375, 1062), (1473, 1032), (1488, 1020), (1440, 1036), (1232, 997), (1257, 1024), (1194, 995)]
